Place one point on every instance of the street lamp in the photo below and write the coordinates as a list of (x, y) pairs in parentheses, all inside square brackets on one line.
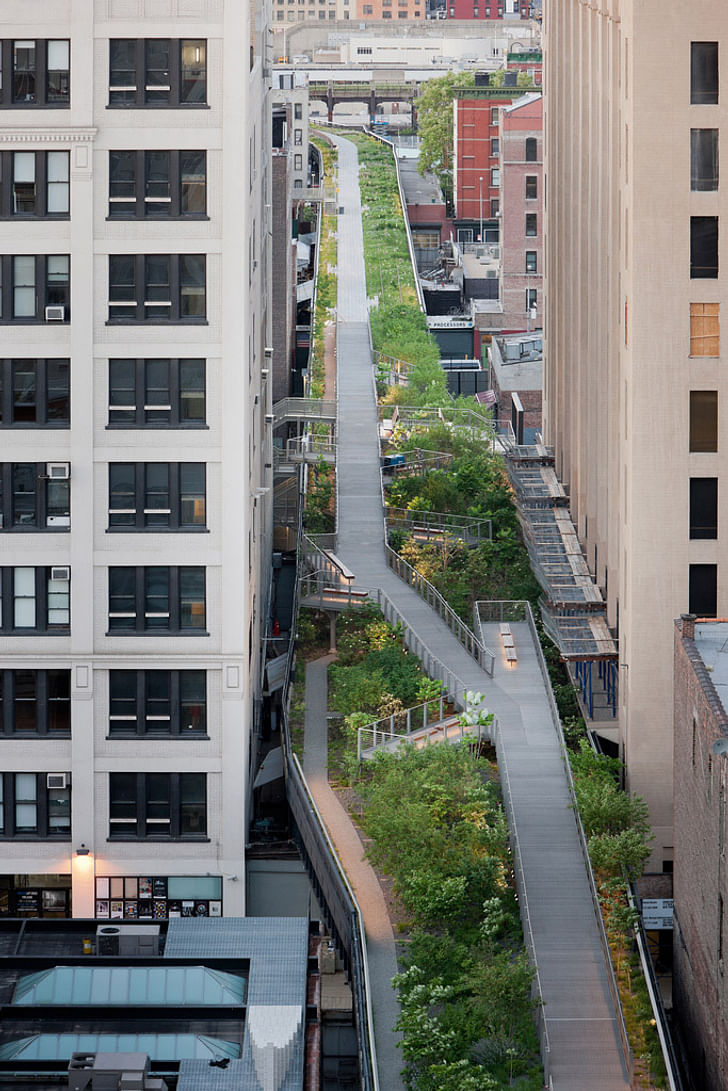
[(481, 208)]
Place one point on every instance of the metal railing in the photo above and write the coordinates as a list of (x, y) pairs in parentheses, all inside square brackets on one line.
[(459, 526), (447, 731), (418, 462), (312, 409), (319, 591), (482, 655), (611, 978), (453, 686), (519, 875), (308, 448), (493, 611)]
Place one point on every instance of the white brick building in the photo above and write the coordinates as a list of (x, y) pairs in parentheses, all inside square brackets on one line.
[(135, 276)]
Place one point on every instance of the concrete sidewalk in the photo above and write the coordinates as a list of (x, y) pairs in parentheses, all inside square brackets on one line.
[(381, 955)]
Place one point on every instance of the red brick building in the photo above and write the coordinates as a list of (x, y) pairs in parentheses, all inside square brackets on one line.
[(509, 10), (700, 944), (521, 212), (476, 147)]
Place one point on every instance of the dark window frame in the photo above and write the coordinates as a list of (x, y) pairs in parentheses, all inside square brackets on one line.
[(140, 97), (531, 150), (531, 222), (137, 823), (137, 621), (700, 440), (44, 101), (43, 701), (704, 160), (704, 91), (7, 184), (44, 293), (531, 262), (132, 309), (42, 394), (140, 205), (141, 507), (43, 831), (704, 247), (134, 723), (42, 599), (531, 189), (703, 589), (140, 413), (703, 508), (41, 501)]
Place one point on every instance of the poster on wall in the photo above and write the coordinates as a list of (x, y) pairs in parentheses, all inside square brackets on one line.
[(102, 908), (145, 887), (117, 910)]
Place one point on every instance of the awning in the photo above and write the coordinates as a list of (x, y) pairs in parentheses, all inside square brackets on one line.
[(271, 768), (304, 290), (275, 673)]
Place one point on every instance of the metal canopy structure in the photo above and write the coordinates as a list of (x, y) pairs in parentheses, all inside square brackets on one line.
[(573, 609), (159, 1047)]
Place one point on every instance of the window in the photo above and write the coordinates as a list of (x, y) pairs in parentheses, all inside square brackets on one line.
[(33, 498), (531, 224), (495, 110), (156, 393), (495, 206), (495, 176), (531, 261), (494, 143), (29, 809), (156, 288), (298, 162), (703, 247), (531, 149), (34, 185), (157, 183), (703, 507), (156, 599), (703, 420), (157, 703), (33, 283), (157, 72), (34, 600), (703, 591), (157, 496), (704, 73), (705, 329), (531, 300), (703, 159), (35, 73), (157, 805), (298, 137), (35, 702), (297, 111), (531, 187), (34, 393)]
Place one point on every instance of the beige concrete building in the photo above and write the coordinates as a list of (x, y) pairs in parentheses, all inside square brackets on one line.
[(634, 387)]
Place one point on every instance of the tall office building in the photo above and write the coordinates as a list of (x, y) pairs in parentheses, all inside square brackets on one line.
[(133, 432), (635, 392)]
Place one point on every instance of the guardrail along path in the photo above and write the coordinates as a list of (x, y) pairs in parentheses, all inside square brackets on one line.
[(585, 1053)]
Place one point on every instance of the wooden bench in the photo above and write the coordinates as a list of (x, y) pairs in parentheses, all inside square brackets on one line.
[(509, 644)]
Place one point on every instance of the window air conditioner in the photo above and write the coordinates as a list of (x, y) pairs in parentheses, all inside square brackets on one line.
[(58, 471), (57, 780), (55, 313), (63, 573)]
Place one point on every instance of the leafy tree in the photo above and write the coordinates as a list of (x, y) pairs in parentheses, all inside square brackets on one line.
[(435, 112)]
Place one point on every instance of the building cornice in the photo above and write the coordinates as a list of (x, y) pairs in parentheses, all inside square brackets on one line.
[(45, 135)]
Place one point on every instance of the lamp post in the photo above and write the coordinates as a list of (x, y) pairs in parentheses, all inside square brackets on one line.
[(481, 209)]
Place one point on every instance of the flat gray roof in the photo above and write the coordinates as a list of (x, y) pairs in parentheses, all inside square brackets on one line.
[(711, 639), (419, 189)]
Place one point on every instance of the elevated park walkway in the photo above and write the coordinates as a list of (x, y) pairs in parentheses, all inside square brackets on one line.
[(581, 1030)]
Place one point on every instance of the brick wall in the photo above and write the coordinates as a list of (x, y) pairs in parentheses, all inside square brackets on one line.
[(701, 879)]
